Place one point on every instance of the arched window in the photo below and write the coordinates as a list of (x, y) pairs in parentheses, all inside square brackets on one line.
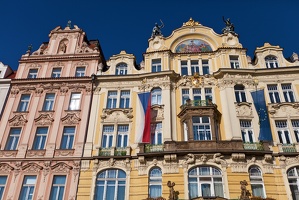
[(256, 180), (155, 182), (121, 69), (156, 96), (110, 184), (271, 62), (293, 177), (240, 93), (205, 181)]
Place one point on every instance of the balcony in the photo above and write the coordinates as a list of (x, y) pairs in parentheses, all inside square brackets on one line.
[(193, 103), (206, 146), (253, 146), (287, 148), (153, 148), (115, 151)]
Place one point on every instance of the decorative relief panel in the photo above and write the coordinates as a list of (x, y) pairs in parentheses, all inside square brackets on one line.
[(117, 114), (284, 109), (230, 80), (77, 87), (143, 165), (44, 119), (157, 112), (61, 167), (8, 153), (64, 152), (70, 119), (244, 109), (148, 84), (5, 168), (32, 167), (99, 164), (35, 153), (18, 120)]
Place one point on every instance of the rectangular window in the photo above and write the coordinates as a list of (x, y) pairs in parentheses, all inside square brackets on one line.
[(234, 62), (75, 101), (208, 94), (196, 94), (56, 72), (107, 139), (122, 136), (194, 67), (24, 102), (205, 67), (273, 93), (185, 95), (156, 133), (156, 65), (13, 139), (80, 71), (156, 96), (247, 131), (57, 189), (67, 137), (27, 190), (201, 128), (184, 67), (40, 138), (124, 99), (295, 125), (283, 132), (49, 102), (288, 92), (32, 73), (2, 185), (112, 98), (240, 93)]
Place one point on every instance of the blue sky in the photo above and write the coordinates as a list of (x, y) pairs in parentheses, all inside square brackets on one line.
[(127, 25)]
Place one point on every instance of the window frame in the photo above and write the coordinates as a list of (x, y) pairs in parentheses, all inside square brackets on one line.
[(271, 62), (234, 62), (197, 133), (273, 93), (48, 104), (13, 139), (121, 69), (122, 139), (154, 181), (124, 101), (32, 73), (256, 179), (75, 101), (240, 93), (247, 132), (56, 74), (68, 138), (40, 138), (156, 96), (59, 185), (156, 65), (293, 174), (288, 92), (156, 133), (2, 185), (80, 71), (283, 132), (26, 186), (24, 103)]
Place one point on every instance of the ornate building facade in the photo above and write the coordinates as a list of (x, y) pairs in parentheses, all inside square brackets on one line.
[(217, 118), (45, 120)]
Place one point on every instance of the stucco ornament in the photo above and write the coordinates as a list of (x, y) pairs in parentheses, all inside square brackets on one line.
[(70, 119), (44, 119), (18, 120), (191, 22)]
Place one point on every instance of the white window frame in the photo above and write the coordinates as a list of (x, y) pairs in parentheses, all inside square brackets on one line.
[(27, 186), (271, 62), (59, 186), (211, 175), (288, 92), (125, 96), (273, 93), (56, 72), (293, 176), (156, 95), (2, 186), (240, 93), (156, 65), (80, 71), (295, 126), (121, 69), (184, 65), (69, 137), (122, 136), (247, 131), (13, 139), (24, 103), (75, 100), (156, 133), (108, 133), (256, 178), (40, 138), (283, 130), (32, 73), (206, 130), (195, 68), (49, 102), (234, 62), (191, 94), (155, 179)]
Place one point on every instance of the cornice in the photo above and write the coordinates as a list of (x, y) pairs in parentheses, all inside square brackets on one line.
[(65, 57)]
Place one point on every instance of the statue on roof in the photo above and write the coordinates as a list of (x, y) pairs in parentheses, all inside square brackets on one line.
[(157, 29), (229, 27)]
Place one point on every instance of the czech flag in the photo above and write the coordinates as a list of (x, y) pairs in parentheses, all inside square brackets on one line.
[(144, 119)]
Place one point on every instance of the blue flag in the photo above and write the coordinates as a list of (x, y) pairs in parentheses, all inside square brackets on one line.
[(261, 108)]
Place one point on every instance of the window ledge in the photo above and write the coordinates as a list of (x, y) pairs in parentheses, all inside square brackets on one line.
[(64, 152), (20, 112)]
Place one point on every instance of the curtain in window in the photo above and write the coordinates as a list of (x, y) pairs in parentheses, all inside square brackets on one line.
[(257, 190)]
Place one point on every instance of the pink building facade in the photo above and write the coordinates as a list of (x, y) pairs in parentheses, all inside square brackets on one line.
[(43, 126)]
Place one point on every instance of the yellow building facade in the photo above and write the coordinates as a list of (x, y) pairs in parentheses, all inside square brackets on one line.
[(208, 127)]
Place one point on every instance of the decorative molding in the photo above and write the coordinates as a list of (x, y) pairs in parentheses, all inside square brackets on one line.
[(35, 153), (61, 167), (5, 168), (230, 80), (64, 152), (32, 167), (44, 119), (284, 109), (11, 153), (157, 112), (244, 109), (77, 87), (191, 23), (70, 119), (117, 114), (18, 120)]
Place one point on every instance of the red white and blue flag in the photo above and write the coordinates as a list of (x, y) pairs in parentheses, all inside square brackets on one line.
[(144, 125)]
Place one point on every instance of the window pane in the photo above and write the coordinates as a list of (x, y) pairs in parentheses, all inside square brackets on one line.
[(13, 139), (24, 102), (80, 71), (49, 102), (67, 138)]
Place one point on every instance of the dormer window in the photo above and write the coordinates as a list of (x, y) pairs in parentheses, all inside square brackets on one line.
[(121, 69), (32, 73), (271, 62)]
